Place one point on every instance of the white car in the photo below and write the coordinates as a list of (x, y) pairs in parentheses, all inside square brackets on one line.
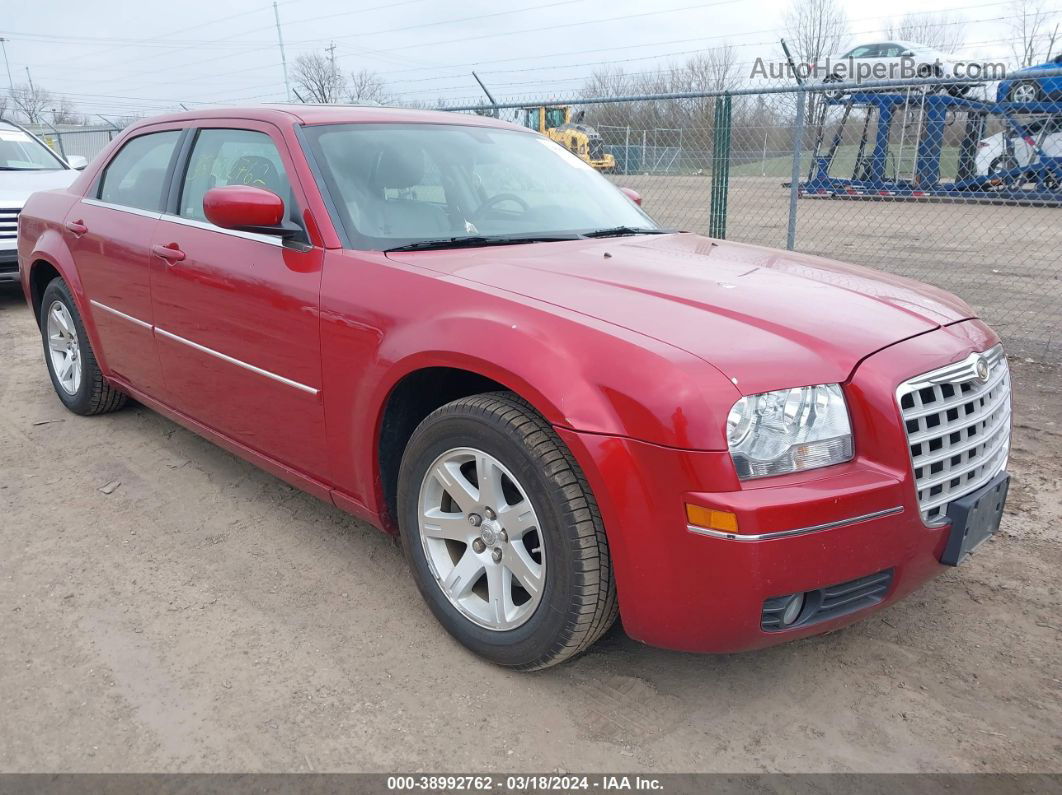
[(886, 60), (27, 165), (993, 155)]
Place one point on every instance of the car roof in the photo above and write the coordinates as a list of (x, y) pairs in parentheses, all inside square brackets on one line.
[(283, 113)]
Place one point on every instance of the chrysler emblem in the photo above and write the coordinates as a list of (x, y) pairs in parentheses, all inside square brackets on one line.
[(982, 370)]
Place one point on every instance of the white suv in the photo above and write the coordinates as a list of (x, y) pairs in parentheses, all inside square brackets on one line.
[(27, 165)]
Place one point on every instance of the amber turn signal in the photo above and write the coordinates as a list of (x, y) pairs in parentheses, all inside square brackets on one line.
[(711, 518)]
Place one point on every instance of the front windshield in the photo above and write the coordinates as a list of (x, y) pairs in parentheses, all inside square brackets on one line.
[(20, 151), (400, 184)]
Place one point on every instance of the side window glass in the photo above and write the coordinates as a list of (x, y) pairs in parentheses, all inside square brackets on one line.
[(137, 174), (554, 117), (232, 157)]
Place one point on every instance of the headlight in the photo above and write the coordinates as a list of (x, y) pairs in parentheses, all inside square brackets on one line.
[(789, 430)]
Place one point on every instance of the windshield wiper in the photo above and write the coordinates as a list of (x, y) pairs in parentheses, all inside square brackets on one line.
[(477, 242), (619, 231)]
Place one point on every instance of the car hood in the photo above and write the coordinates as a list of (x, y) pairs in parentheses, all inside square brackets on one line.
[(767, 319), (16, 186)]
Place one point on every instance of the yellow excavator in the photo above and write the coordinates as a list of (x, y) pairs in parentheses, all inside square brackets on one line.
[(557, 122)]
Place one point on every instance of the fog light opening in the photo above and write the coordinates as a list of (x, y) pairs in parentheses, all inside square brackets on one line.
[(793, 609)]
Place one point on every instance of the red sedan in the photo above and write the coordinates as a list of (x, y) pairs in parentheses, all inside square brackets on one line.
[(456, 330)]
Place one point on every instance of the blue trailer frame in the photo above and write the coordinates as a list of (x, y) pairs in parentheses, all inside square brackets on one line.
[(1039, 183)]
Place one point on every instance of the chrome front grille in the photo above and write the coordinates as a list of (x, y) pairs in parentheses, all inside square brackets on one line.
[(9, 222), (958, 427)]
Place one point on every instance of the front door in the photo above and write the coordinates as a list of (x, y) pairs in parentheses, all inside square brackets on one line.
[(109, 233), (236, 313)]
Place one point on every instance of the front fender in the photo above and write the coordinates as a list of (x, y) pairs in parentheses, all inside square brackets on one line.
[(382, 321), (579, 373)]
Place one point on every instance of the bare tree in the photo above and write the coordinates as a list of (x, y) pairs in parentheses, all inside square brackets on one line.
[(366, 86), (5, 102), (609, 82), (713, 70), (32, 101), (66, 113), (319, 79), (1035, 31), (814, 30), (945, 32)]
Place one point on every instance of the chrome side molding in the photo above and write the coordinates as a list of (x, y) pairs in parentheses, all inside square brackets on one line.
[(204, 349), (801, 531)]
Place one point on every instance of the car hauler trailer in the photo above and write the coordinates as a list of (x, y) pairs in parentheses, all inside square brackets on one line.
[(922, 117)]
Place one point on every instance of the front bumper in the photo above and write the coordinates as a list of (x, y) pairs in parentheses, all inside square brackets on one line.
[(700, 592), (9, 265)]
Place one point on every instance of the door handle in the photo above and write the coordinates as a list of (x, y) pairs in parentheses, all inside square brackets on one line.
[(169, 252), (77, 227)]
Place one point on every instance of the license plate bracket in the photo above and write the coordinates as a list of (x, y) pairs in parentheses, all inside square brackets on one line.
[(975, 518)]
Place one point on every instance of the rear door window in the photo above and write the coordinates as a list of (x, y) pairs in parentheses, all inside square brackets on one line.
[(136, 176)]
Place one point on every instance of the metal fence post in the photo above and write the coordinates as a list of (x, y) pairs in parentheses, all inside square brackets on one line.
[(794, 186), (720, 168)]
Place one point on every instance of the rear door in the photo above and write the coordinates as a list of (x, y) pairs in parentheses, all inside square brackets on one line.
[(109, 233), (236, 313)]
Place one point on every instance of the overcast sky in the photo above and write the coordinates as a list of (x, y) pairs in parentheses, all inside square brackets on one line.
[(121, 57)]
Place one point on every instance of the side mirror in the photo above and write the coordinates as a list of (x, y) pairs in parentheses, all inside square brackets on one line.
[(907, 54), (77, 162), (632, 194), (247, 209)]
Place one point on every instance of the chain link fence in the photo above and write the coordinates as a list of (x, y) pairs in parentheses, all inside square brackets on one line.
[(69, 140), (927, 179), (930, 179)]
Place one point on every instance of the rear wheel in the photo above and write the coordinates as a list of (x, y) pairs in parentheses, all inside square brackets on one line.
[(1024, 91), (503, 534), (72, 365)]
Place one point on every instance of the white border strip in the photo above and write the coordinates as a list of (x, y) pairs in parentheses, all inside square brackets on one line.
[(704, 531)]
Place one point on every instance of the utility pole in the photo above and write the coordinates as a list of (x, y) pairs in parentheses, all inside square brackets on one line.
[(3, 46), (490, 97), (283, 58), (332, 56), (334, 74), (30, 78)]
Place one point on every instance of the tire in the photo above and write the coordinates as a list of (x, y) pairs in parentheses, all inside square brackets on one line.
[(1025, 91), (834, 93), (575, 601), (89, 392), (1002, 163)]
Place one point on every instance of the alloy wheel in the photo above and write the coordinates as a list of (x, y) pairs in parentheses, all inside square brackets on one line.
[(481, 538), (1024, 92), (64, 348)]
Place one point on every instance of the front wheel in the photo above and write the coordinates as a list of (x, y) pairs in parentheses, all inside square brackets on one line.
[(833, 93), (72, 365), (503, 534)]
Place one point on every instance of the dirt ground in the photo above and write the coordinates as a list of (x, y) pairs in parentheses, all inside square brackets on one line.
[(1006, 261), (203, 616)]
